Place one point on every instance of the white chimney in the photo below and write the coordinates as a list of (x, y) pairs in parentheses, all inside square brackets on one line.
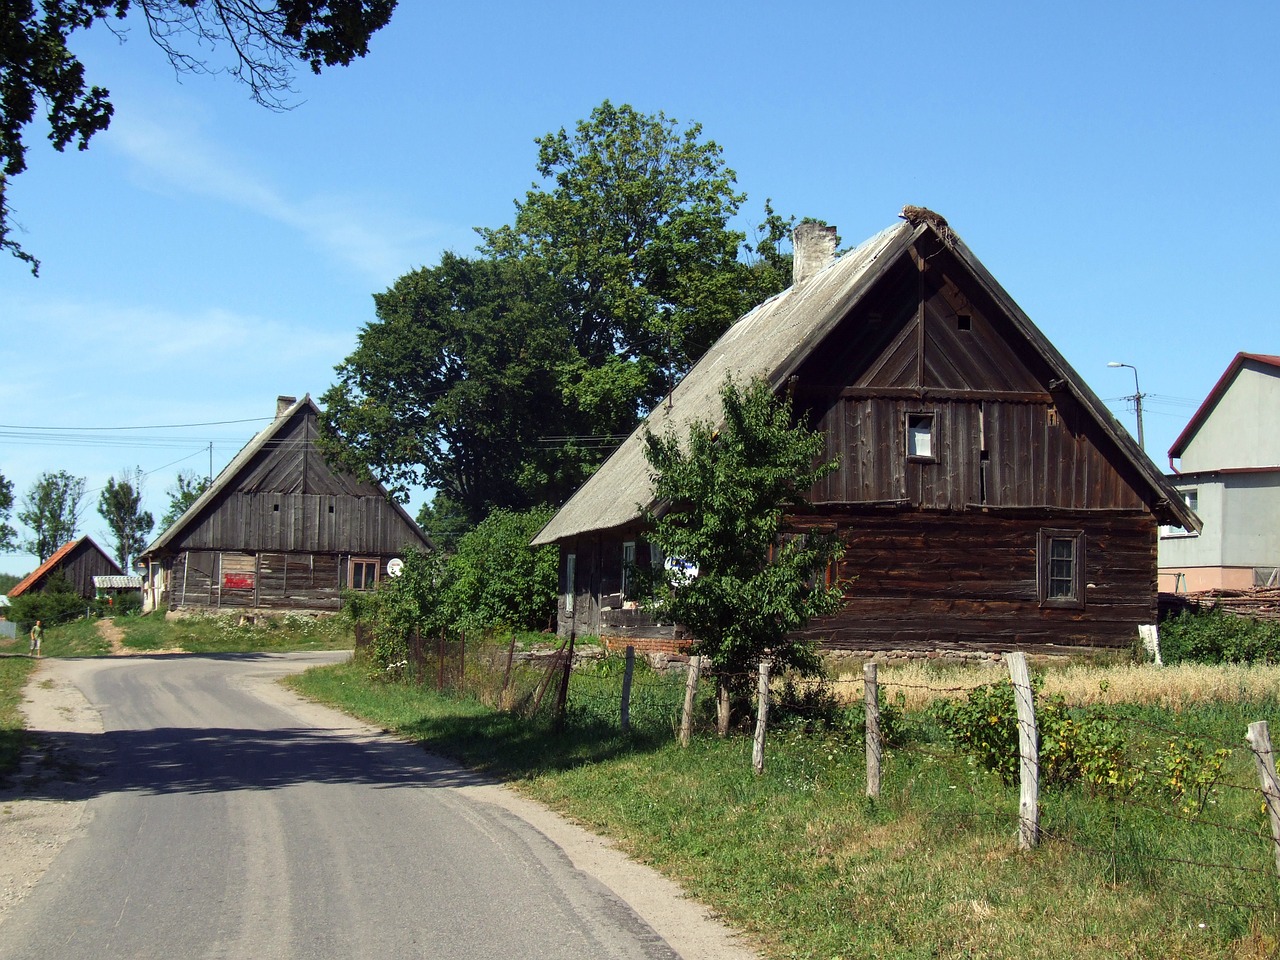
[(813, 247)]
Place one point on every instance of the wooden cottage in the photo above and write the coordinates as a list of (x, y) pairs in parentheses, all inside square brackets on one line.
[(80, 561), (986, 498), (279, 529)]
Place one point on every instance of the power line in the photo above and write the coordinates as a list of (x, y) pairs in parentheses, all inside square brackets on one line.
[(154, 426)]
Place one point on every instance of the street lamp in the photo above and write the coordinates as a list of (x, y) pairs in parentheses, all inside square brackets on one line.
[(1136, 398)]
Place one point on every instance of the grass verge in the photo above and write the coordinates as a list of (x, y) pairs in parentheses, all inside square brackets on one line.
[(226, 633), (810, 868), (14, 672)]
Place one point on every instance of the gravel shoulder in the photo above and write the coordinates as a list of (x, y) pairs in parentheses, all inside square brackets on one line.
[(33, 831)]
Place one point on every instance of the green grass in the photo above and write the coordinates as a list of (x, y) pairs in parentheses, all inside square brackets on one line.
[(226, 634), (79, 638), (805, 863), (14, 672)]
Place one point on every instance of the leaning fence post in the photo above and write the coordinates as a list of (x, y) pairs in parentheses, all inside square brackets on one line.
[(871, 690), (690, 694), (626, 687), (1028, 751), (1259, 738), (562, 700), (762, 716)]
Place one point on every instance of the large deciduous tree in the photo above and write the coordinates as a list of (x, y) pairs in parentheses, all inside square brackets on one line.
[(503, 380), (725, 494), (455, 387), (51, 512), (259, 44), (632, 223), (120, 504)]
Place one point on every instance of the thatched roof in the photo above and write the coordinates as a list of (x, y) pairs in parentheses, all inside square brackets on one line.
[(773, 340)]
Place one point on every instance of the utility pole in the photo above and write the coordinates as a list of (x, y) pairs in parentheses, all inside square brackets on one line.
[(1136, 398)]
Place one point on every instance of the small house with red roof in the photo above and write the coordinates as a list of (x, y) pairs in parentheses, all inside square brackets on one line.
[(79, 561), (1226, 466)]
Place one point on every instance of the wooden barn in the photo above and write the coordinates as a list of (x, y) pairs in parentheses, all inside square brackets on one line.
[(80, 561), (279, 529), (986, 498)]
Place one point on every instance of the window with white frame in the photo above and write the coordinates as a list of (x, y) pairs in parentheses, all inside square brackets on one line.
[(1191, 497)]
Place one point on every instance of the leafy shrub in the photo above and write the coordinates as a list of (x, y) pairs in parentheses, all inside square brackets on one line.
[(1083, 747), (1216, 636), (56, 603), (497, 580)]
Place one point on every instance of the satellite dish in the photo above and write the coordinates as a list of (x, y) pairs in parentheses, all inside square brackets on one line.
[(395, 567)]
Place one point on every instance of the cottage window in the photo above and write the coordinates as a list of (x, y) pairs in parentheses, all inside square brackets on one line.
[(363, 574), (1060, 574), (920, 436), (628, 567), (570, 577)]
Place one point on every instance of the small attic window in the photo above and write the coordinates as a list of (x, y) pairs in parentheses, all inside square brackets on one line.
[(331, 508), (964, 321), (275, 508), (920, 436), (1053, 416)]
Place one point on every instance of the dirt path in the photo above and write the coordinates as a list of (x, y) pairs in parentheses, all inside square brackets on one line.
[(34, 829), (110, 632)]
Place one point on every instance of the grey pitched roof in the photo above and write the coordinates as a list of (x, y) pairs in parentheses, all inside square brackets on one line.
[(771, 342)]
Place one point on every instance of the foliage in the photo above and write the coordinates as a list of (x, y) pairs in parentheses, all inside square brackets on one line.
[(443, 521), (51, 511), (186, 490), (8, 535), (120, 504), (724, 494), (498, 580), (1084, 746), (56, 602), (811, 705), (264, 41), (8, 581), (494, 580), (1216, 636), (454, 386), (502, 380), (633, 226)]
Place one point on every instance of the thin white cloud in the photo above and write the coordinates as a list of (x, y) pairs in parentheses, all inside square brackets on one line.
[(378, 244)]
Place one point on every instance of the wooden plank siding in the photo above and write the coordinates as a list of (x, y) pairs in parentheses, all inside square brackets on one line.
[(293, 522)]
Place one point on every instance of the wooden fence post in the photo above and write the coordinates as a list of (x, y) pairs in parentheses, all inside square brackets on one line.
[(690, 694), (871, 691), (1259, 739), (562, 700), (626, 687), (762, 716), (504, 696), (1028, 751)]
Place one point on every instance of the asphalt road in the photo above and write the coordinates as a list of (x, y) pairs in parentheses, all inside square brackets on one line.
[(227, 819)]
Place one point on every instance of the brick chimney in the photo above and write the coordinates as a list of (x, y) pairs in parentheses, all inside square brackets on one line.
[(283, 404), (813, 247)]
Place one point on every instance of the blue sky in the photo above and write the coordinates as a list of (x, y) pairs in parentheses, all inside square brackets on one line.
[(1111, 163)]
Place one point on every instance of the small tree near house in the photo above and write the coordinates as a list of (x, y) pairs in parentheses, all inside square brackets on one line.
[(724, 498)]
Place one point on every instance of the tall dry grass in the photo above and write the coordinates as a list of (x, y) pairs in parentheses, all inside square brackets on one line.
[(1175, 687)]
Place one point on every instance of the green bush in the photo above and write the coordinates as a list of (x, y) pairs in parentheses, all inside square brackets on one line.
[(1216, 636), (56, 603)]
